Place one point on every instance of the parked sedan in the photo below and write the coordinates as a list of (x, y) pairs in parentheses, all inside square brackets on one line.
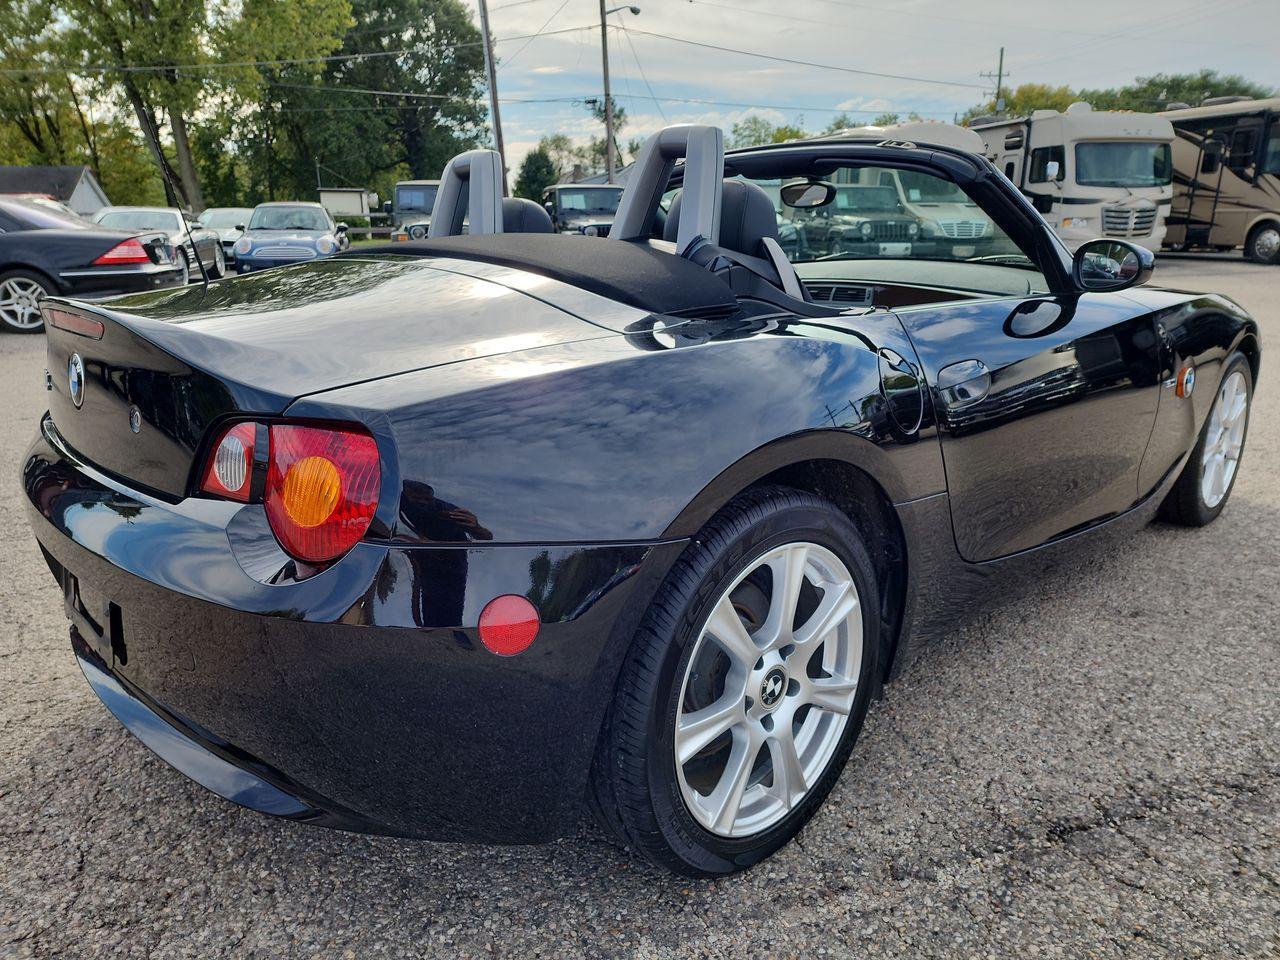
[(284, 233), (229, 222), (459, 537), (197, 247), (45, 251)]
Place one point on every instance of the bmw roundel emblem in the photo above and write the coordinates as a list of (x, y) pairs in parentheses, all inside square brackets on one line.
[(1186, 381), (75, 379)]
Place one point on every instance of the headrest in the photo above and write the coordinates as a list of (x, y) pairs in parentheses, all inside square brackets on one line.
[(747, 216), (524, 216)]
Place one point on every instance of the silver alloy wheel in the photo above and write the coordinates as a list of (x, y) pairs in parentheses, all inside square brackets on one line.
[(219, 262), (1224, 440), (20, 303), (1266, 245), (764, 704), (185, 266)]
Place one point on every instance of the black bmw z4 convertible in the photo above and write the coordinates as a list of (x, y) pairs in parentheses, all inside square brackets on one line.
[(460, 537)]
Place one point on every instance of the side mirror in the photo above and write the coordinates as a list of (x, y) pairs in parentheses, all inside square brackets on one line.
[(1212, 158), (1051, 170), (550, 208), (1110, 265), (1043, 202), (241, 227), (807, 194), (342, 228), (386, 206)]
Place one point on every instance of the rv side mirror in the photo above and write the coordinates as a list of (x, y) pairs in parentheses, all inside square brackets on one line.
[(386, 206), (1051, 170), (1110, 265), (550, 208), (1212, 158), (1043, 202)]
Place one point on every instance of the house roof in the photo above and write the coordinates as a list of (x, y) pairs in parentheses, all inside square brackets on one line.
[(57, 182)]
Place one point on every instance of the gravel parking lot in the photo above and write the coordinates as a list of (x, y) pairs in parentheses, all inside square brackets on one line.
[(1092, 769)]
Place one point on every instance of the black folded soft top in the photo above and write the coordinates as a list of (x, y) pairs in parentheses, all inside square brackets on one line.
[(631, 272)]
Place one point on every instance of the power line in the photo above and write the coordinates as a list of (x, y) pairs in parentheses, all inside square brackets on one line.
[(546, 23), (802, 63), (639, 66)]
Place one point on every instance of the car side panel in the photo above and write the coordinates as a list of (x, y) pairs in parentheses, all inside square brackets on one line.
[(613, 439), (1050, 439)]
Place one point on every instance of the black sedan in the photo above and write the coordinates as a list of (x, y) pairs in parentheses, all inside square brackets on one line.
[(455, 538), (44, 252), (199, 248)]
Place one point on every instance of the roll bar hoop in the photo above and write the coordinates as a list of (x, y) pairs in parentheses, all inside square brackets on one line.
[(471, 183), (702, 148)]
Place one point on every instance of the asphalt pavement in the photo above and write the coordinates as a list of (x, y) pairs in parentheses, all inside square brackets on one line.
[(1091, 769)]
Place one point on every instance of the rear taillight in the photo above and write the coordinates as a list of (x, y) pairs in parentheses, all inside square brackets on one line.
[(130, 251), (229, 472), (321, 488), (74, 323)]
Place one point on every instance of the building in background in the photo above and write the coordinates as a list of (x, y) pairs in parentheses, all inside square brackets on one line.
[(77, 187), (1090, 173)]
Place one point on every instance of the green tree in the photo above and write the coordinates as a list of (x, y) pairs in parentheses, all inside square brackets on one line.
[(182, 38), (1024, 99), (537, 172), (1156, 92), (755, 129), (885, 120)]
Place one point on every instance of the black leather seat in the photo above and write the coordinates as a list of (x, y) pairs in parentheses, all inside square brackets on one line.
[(748, 228), (524, 216)]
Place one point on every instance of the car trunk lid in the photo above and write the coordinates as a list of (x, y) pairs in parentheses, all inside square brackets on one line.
[(170, 364)]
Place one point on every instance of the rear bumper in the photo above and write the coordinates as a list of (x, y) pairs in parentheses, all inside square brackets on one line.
[(96, 282), (359, 698)]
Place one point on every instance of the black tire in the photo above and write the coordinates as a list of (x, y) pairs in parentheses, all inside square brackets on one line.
[(1263, 244), (635, 792), (24, 281), (1185, 504)]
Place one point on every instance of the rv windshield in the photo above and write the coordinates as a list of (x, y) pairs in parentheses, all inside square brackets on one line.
[(1123, 163), (924, 189), (1271, 159), (590, 199), (419, 196)]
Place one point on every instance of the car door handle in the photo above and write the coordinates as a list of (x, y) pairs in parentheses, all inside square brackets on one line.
[(963, 383)]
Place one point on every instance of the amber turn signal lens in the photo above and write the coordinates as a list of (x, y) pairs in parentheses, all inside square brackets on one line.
[(508, 625), (322, 489)]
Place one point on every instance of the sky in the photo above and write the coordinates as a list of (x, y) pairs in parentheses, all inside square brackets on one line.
[(935, 50)]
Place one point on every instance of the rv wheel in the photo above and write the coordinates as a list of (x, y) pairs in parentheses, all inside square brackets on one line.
[(1263, 245)]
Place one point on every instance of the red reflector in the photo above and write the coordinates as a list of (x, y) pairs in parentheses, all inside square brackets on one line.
[(322, 489), (508, 624), (130, 251), (73, 323), (229, 472)]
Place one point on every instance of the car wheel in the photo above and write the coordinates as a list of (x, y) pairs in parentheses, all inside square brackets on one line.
[(184, 268), (219, 266), (417, 232), (745, 687), (20, 294), (1204, 486), (1263, 245)]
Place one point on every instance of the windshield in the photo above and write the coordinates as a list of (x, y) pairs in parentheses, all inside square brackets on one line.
[(1125, 163), (867, 200), (417, 197), (288, 218), (922, 188), (225, 218), (37, 215), (593, 200), (139, 220), (1271, 159)]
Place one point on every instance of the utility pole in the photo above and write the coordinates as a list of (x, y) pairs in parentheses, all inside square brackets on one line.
[(610, 153), (998, 77), (493, 91), (608, 100)]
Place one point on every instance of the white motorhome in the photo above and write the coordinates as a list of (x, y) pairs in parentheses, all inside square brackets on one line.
[(1090, 173)]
